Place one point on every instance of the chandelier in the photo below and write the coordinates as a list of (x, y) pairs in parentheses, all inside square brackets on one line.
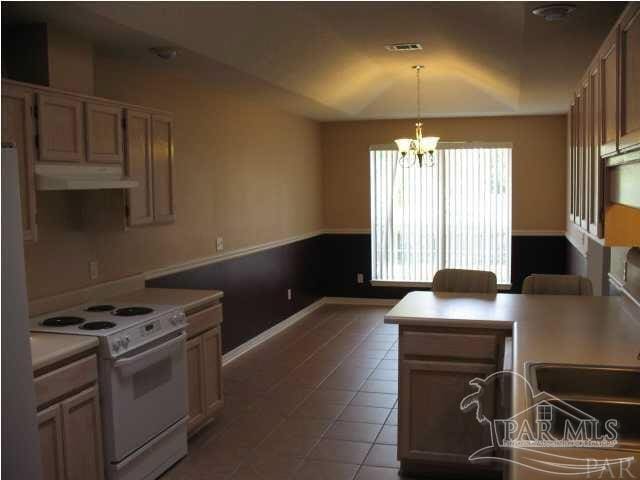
[(416, 148)]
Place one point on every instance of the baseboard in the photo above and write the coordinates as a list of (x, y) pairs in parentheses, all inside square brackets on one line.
[(623, 291), (296, 317)]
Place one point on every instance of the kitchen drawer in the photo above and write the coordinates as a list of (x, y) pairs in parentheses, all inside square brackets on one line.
[(449, 345), (65, 380), (204, 320)]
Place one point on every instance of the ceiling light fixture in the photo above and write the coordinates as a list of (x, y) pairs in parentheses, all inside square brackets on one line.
[(165, 53), (415, 148), (555, 12)]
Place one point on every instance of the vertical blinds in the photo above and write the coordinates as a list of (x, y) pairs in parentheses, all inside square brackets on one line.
[(456, 214)]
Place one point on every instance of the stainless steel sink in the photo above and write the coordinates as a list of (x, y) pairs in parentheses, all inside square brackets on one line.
[(600, 392), (594, 382)]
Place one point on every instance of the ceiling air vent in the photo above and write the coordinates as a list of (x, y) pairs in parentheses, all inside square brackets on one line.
[(403, 47)]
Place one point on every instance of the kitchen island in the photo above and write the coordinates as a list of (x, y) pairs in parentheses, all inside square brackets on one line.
[(448, 340)]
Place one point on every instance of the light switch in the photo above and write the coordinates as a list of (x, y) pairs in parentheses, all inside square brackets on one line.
[(219, 244)]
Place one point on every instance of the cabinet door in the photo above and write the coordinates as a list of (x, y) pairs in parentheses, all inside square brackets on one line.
[(104, 133), (630, 79), (60, 129), (579, 174), (586, 152), (51, 443), (195, 382), (572, 161), (163, 169), (17, 128), (139, 166), (83, 436), (212, 349), (576, 160), (596, 173), (432, 428), (609, 94)]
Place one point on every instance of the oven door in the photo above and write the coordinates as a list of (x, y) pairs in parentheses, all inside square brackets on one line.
[(143, 393)]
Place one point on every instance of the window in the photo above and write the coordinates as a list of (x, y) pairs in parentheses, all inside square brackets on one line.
[(456, 214)]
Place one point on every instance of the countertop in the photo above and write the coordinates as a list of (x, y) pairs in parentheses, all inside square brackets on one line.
[(546, 328), (188, 299), (49, 348)]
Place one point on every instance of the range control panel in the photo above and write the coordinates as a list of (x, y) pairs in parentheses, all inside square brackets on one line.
[(140, 334)]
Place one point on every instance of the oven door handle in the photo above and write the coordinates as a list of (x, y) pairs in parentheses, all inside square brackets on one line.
[(130, 365)]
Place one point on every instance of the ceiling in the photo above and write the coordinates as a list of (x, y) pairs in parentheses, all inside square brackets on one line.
[(327, 60)]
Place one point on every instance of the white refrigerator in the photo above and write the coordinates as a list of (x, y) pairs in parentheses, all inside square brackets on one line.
[(20, 445)]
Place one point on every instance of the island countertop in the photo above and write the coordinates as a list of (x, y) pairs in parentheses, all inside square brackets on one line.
[(546, 328)]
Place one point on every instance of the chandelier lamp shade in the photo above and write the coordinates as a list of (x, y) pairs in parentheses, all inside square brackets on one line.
[(412, 149)]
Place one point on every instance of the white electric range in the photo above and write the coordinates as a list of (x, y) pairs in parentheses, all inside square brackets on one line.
[(143, 382)]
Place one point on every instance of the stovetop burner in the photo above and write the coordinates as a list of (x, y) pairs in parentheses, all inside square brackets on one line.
[(97, 325), (100, 308), (62, 321), (132, 311)]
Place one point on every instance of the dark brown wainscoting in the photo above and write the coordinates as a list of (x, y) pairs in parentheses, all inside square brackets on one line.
[(351, 254), (255, 286)]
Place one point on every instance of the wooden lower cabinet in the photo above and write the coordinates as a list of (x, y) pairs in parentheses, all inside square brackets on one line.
[(70, 429), (432, 427), (435, 368), (195, 373), (51, 448), (212, 350), (82, 435), (204, 367)]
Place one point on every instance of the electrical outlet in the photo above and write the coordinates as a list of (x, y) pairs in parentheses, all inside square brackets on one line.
[(219, 244), (93, 269), (289, 294), (360, 278)]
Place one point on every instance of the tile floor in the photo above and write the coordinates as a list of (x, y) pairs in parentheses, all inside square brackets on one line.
[(316, 402)]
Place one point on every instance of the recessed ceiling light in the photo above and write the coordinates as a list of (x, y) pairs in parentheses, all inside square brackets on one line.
[(555, 12), (165, 53)]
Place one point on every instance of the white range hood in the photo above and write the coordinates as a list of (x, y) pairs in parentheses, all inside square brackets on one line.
[(81, 177)]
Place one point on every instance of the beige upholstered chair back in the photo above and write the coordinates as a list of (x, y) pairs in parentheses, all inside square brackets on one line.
[(464, 281), (557, 285)]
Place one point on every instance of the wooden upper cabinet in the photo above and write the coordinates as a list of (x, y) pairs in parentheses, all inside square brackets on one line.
[(60, 128), (579, 161), (596, 172), (104, 133), (573, 161), (609, 94), (630, 79), (18, 128), (585, 157), (163, 169), (139, 166)]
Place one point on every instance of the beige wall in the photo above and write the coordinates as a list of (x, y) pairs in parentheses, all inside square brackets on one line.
[(539, 168), (247, 172), (71, 62)]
